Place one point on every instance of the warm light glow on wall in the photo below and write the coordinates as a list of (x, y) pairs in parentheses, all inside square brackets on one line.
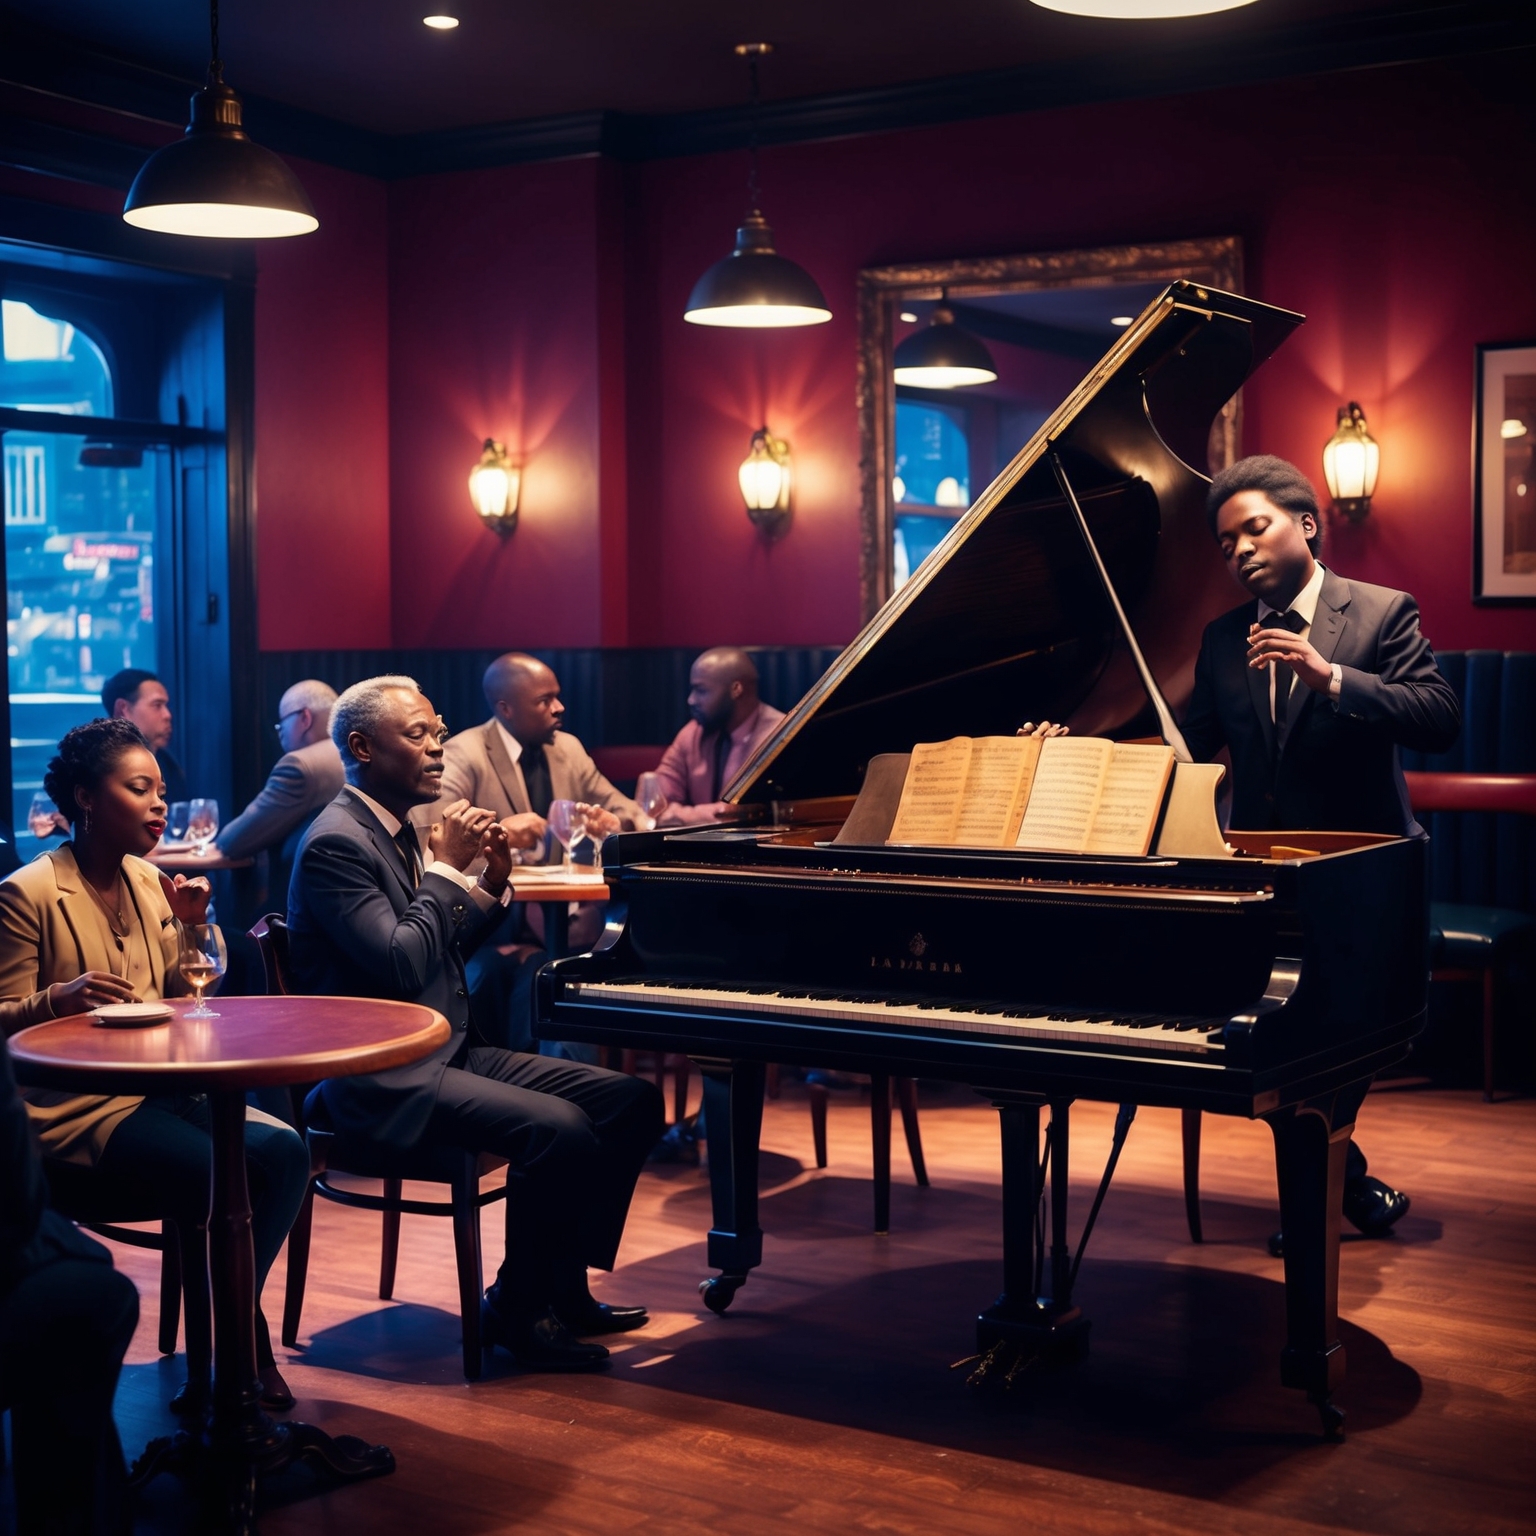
[(1351, 461), (764, 478), (494, 485)]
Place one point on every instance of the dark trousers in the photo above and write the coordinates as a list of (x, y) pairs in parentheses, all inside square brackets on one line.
[(64, 1330), (575, 1138), (160, 1158)]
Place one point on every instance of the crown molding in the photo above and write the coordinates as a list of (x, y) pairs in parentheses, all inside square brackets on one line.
[(39, 61)]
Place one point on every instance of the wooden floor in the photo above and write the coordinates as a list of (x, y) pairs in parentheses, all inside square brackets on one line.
[(825, 1400)]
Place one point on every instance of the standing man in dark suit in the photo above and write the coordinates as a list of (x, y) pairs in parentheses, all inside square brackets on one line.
[(1313, 687), (373, 915)]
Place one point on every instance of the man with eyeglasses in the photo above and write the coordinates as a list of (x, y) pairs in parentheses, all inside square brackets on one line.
[(307, 777), (377, 909)]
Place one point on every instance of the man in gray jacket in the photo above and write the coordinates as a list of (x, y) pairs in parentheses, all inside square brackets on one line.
[(307, 777)]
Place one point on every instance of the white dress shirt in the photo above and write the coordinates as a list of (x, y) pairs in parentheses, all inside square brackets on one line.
[(1305, 604), (392, 825)]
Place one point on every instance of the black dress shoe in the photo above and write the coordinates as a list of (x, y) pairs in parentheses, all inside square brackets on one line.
[(588, 1316), (539, 1344), (679, 1145), (1374, 1207)]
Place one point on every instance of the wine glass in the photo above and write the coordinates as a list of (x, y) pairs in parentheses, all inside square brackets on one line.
[(202, 824), (567, 826), (203, 961), (42, 819), (592, 821), (650, 796), (176, 822)]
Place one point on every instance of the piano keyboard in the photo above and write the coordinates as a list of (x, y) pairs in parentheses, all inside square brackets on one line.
[(1160, 1034)]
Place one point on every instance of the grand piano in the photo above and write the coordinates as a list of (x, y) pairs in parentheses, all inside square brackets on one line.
[(1269, 976)]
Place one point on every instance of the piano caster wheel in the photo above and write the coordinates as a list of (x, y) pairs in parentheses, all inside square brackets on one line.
[(1333, 1419), (721, 1291)]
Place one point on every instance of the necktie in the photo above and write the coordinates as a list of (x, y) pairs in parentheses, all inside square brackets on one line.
[(535, 768), (722, 751), (1285, 679), (410, 851)]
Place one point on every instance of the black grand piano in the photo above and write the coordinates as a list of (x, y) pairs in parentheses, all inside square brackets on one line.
[(1269, 976)]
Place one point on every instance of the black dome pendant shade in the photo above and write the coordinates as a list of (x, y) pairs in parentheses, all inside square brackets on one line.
[(942, 356), (214, 181), (754, 287)]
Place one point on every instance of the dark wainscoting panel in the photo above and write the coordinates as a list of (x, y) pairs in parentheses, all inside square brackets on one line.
[(612, 697)]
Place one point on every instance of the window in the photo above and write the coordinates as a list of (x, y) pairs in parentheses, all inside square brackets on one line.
[(114, 507), (931, 485)]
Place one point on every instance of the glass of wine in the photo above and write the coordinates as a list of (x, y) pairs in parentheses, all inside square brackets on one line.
[(650, 796), (176, 822), (567, 826), (202, 824), (203, 961), (592, 822), (40, 816)]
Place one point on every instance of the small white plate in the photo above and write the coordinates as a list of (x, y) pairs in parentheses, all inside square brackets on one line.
[(132, 1015)]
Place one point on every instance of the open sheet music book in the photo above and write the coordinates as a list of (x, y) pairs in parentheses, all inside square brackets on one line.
[(1068, 794)]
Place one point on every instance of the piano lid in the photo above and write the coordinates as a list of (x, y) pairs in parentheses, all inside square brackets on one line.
[(1007, 620)]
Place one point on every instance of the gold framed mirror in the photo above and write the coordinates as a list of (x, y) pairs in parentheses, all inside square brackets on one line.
[(925, 454)]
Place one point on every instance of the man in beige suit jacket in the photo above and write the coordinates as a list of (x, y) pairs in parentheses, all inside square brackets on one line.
[(520, 760), (516, 764)]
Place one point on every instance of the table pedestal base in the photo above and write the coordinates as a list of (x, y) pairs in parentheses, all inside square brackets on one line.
[(223, 1473)]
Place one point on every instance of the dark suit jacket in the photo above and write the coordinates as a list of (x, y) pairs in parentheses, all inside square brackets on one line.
[(1339, 765), (357, 929)]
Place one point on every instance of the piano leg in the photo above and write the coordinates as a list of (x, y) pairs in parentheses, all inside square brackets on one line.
[(1020, 1326), (733, 1120), (1311, 1139)]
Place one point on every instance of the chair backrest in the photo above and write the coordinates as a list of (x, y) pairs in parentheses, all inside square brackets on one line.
[(1484, 852), (271, 936)]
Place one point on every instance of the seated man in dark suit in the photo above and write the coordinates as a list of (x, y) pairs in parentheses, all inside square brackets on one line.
[(66, 1321), (136, 695), (373, 915), (1313, 687)]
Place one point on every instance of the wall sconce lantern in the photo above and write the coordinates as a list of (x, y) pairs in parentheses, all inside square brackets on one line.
[(494, 484), (764, 477), (1351, 459)]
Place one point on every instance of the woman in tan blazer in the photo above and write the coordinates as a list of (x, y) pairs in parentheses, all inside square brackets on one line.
[(91, 923)]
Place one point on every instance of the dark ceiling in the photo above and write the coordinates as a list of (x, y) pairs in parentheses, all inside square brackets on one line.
[(372, 64)]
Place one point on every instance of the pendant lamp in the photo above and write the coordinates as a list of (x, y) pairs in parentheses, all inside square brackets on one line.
[(1140, 10), (215, 182), (754, 287), (942, 356)]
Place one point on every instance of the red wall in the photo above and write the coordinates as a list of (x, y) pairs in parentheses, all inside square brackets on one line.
[(1394, 207), (493, 333), (322, 423)]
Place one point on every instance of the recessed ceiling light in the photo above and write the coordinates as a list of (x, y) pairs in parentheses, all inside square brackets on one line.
[(1122, 320), (440, 23), (1140, 10), (909, 317)]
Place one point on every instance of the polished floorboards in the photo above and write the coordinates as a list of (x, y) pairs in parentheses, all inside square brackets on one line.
[(825, 1401)]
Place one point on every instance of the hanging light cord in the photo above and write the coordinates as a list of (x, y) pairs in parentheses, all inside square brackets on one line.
[(215, 63), (753, 197)]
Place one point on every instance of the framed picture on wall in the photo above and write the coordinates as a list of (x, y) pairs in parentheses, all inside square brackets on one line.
[(1504, 475)]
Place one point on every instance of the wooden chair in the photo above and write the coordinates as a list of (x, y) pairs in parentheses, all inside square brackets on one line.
[(1470, 941), (331, 1153), (880, 1086)]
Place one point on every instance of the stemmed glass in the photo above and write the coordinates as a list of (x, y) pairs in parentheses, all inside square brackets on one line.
[(567, 826), (203, 824), (650, 796), (203, 961), (176, 822), (592, 817)]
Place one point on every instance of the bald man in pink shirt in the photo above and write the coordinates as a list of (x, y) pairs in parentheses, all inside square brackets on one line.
[(729, 723)]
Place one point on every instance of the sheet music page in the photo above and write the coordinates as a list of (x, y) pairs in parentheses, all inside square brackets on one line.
[(1065, 794), (1130, 800), (931, 796), (996, 789)]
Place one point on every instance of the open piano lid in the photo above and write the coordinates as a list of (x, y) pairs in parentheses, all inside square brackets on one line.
[(1007, 620)]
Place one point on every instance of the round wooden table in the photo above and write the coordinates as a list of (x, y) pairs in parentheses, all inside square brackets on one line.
[(553, 896), (255, 1042), (184, 859)]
